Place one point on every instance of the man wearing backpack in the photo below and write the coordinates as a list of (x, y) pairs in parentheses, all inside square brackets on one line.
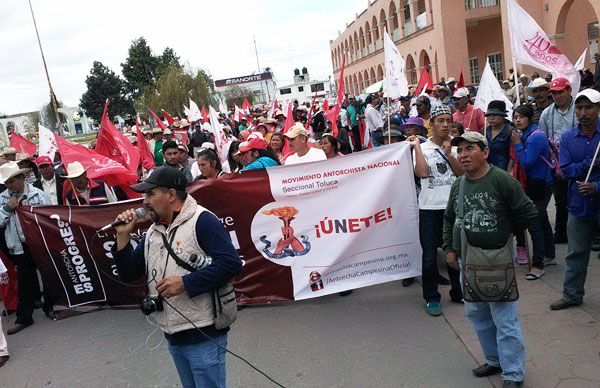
[(556, 119)]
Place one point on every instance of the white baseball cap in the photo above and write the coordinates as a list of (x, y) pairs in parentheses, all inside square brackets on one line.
[(590, 94)]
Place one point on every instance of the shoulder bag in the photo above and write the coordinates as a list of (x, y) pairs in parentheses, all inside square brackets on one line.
[(488, 275)]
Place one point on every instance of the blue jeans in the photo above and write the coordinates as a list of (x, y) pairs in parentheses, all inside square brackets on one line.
[(580, 233), (201, 364), (374, 136), (497, 326), (431, 224)]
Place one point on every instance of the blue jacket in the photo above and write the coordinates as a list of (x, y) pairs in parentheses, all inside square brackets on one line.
[(261, 163), (530, 151), (576, 153), (13, 233)]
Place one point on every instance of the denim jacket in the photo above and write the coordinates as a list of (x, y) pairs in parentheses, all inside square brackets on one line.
[(13, 233)]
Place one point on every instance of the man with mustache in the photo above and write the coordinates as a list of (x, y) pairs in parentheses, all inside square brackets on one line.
[(578, 147)]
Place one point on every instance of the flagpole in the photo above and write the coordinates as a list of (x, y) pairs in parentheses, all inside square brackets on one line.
[(74, 191), (389, 119), (514, 60), (259, 72), (587, 177), (52, 96)]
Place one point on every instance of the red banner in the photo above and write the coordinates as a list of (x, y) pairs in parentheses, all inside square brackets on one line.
[(21, 144)]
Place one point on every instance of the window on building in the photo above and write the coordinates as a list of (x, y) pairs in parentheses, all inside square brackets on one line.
[(406, 13), (300, 88), (285, 91), (474, 67), (474, 4), (317, 87), (496, 65), (593, 32)]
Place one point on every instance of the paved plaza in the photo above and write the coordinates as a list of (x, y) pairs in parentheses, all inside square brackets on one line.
[(378, 336)]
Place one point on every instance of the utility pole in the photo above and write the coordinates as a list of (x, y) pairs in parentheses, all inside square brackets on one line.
[(52, 95), (260, 72)]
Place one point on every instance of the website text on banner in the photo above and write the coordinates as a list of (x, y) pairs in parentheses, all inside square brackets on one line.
[(303, 231)]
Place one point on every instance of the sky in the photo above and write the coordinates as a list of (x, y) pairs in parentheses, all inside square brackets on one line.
[(216, 36)]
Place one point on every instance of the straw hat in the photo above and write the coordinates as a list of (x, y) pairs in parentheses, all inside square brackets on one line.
[(10, 170), (74, 170)]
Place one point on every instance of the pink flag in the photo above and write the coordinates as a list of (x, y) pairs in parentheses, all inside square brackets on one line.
[(246, 105), (333, 113), (113, 144)]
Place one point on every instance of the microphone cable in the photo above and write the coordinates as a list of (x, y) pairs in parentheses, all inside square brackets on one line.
[(224, 348), (153, 279)]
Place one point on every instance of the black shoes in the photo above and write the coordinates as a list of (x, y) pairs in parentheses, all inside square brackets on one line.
[(456, 296), (3, 360), (443, 281), (561, 305), (346, 293), (486, 370), (407, 282), (17, 328), (512, 384)]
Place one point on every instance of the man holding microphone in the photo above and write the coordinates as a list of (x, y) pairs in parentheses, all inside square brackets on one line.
[(195, 235)]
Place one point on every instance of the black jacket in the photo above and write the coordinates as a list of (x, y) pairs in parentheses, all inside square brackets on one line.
[(59, 187)]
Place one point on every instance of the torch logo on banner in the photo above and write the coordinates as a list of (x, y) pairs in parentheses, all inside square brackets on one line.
[(314, 279), (288, 244)]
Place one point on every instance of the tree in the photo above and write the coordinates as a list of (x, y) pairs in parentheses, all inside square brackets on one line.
[(103, 83), (139, 69), (236, 94), (166, 60), (174, 89)]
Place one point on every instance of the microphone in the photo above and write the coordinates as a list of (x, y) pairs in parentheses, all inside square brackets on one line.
[(140, 212)]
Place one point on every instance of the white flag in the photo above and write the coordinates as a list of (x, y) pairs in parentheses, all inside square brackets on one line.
[(194, 113), (395, 83), (531, 46), (47, 142), (489, 90), (221, 140)]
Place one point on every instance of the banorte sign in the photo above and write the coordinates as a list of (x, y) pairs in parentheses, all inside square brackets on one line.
[(243, 80)]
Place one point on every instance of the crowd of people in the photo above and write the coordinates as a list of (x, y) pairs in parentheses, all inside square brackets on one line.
[(463, 157)]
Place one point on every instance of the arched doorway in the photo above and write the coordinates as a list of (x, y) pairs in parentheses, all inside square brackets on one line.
[(411, 71), (424, 61), (576, 29), (379, 73), (372, 78), (360, 82)]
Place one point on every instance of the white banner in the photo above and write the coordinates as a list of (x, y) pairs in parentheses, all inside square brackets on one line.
[(194, 113), (489, 90), (330, 246), (395, 83), (46, 142)]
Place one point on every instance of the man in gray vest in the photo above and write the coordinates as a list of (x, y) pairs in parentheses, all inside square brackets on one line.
[(195, 235)]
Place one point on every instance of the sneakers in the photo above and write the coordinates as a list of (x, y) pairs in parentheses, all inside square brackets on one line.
[(434, 308), (561, 305), (522, 256)]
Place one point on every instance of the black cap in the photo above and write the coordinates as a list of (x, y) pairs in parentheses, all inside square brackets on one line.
[(164, 176)]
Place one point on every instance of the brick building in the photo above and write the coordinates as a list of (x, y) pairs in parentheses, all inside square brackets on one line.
[(447, 35)]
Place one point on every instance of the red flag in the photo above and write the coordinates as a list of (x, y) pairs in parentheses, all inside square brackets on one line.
[(333, 113), (113, 144), (289, 122), (145, 155), (325, 105), (99, 166), (310, 111), (158, 121), (425, 82), (168, 117), (275, 105), (21, 144), (204, 116), (246, 105), (461, 80)]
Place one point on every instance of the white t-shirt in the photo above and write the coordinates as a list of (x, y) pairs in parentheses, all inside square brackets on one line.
[(435, 189), (313, 155)]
